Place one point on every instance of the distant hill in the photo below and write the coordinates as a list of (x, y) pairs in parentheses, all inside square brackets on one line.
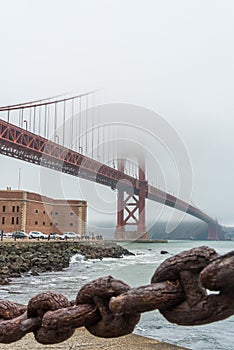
[(196, 230), (185, 230)]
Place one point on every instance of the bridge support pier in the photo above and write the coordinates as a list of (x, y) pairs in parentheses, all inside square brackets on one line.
[(131, 210)]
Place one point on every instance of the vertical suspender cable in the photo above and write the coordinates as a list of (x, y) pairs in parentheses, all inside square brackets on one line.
[(55, 120), (30, 118), (80, 126), (45, 117), (103, 141), (19, 117), (113, 145), (72, 124), (86, 124), (48, 122), (64, 118), (109, 140), (22, 117), (92, 131), (146, 170), (39, 120), (98, 131), (34, 120)]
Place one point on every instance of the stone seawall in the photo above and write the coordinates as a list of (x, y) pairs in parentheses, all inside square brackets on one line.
[(20, 257)]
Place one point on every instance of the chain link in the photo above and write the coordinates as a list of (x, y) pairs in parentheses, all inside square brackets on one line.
[(110, 308)]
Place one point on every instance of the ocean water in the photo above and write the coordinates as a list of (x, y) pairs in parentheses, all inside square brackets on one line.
[(136, 271)]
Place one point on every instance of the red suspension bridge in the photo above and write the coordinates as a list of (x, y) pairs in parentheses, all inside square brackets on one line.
[(41, 133)]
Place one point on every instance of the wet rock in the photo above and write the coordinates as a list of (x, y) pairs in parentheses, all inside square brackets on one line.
[(34, 272), (18, 258), (164, 252), (4, 280)]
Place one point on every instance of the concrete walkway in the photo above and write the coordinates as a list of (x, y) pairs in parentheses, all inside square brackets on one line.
[(83, 340)]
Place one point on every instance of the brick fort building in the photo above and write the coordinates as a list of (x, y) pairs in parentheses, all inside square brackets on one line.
[(27, 211)]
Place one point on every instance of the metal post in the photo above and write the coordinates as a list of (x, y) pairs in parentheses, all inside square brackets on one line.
[(26, 124)]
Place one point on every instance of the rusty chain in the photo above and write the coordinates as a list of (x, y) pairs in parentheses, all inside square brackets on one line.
[(110, 308)]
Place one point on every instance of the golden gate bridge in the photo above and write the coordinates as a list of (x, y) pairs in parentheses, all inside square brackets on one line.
[(52, 133)]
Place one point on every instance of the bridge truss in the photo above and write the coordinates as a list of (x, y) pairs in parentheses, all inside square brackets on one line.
[(26, 145)]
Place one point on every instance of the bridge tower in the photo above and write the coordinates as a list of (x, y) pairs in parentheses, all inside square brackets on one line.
[(131, 208), (213, 231)]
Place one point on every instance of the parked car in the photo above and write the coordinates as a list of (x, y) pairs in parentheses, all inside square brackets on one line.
[(37, 235), (69, 235), (53, 236), (59, 236), (19, 234), (9, 234)]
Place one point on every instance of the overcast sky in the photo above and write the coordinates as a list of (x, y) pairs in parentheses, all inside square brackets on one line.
[(175, 58)]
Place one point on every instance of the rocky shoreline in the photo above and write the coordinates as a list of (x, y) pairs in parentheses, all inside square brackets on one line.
[(20, 257)]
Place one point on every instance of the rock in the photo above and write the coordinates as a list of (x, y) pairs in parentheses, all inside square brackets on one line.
[(4, 280), (37, 257), (34, 272), (5, 270), (164, 252)]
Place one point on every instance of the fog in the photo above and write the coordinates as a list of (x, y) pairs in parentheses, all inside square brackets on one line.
[(174, 58)]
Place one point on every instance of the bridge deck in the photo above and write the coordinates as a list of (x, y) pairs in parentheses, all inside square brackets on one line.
[(22, 144)]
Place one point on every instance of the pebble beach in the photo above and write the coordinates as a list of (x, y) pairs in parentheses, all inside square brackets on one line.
[(83, 340)]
